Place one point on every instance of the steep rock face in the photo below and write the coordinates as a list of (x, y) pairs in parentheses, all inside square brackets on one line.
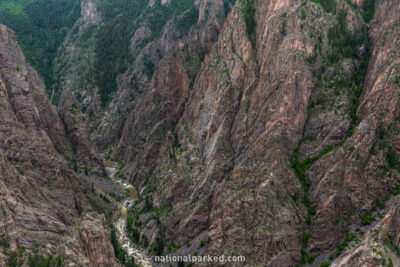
[(76, 58), (48, 115), (98, 250), (27, 96), (288, 97), (259, 131), (160, 106), (177, 56), (73, 69), (353, 179), (224, 169), (76, 124), (377, 246), (41, 200)]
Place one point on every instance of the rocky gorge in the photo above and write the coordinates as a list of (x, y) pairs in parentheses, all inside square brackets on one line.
[(265, 129)]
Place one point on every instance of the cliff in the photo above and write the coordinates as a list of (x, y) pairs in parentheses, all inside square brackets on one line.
[(44, 207), (267, 129)]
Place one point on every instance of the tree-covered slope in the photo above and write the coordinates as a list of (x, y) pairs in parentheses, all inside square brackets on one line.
[(40, 27), (121, 20)]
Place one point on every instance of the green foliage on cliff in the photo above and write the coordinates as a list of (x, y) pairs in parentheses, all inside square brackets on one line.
[(366, 219), (343, 43), (112, 42), (5, 241), (18, 258), (397, 80), (118, 251), (37, 260), (368, 10), (40, 27), (159, 245), (341, 246), (346, 44), (248, 11), (121, 18), (392, 246), (131, 263), (328, 5), (188, 19), (228, 4)]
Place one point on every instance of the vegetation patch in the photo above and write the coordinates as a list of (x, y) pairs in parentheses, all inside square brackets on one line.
[(341, 246), (367, 218), (40, 27), (118, 251), (329, 6), (121, 20), (228, 4), (397, 80), (368, 10), (21, 258), (392, 246), (248, 11)]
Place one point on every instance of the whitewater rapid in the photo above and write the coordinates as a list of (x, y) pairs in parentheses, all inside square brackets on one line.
[(119, 220)]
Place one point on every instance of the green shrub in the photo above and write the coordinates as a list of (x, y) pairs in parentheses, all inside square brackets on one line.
[(228, 5), (380, 204), (135, 236), (116, 197), (391, 158), (145, 241), (130, 263), (303, 14), (328, 5), (159, 245), (397, 80), (201, 244), (5, 241), (367, 218), (368, 10), (148, 205), (38, 260), (305, 238), (311, 258), (303, 256), (188, 20), (12, 259), (308, 220), (248, 11), (114, 240), (325, 264), (381, 132), (391, 246), (148, 66), (341, 246)]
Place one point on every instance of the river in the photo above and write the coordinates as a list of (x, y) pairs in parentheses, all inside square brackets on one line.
[(120, 215)]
